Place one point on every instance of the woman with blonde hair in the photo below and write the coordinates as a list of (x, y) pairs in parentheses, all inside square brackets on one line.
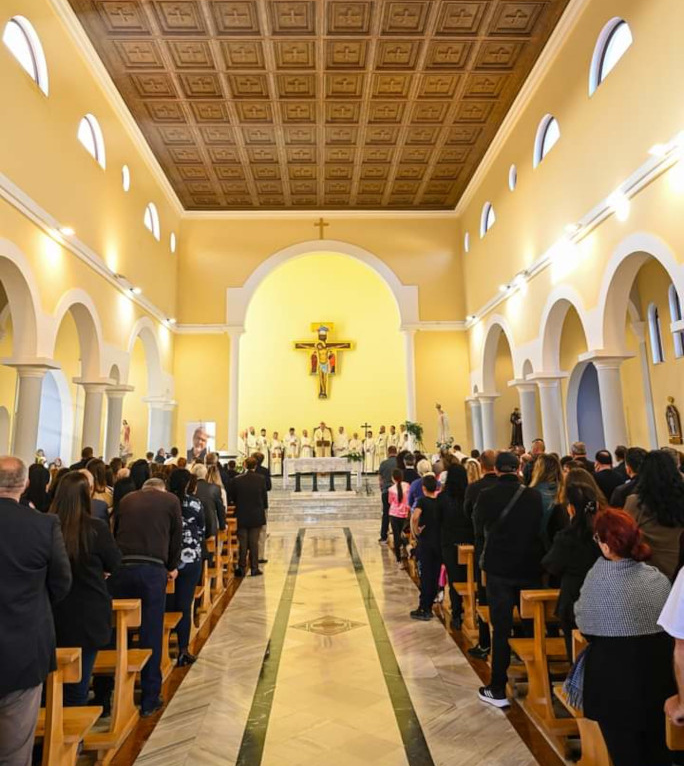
[(214, 477), (473, 470), (547, 479)]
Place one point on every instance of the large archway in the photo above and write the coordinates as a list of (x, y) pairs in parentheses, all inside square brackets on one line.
[(276, 390)]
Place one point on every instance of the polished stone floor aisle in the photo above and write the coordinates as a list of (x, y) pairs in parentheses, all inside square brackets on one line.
[(318, 662)]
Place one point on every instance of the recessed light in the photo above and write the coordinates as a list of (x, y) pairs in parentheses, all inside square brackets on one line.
[(136, 290), (503, 288), (171, 320), (67, 231), (572, 228), (658, 150)]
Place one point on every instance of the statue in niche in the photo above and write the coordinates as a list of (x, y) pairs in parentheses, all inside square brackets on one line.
[(516, 428), (125, 440), (674, 422), (443, 430)]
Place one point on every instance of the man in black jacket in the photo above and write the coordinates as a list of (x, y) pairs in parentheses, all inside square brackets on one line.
[(606, 477), (34, 572), (86, 457), (249, 494), (507, 521), (633, 460), (487, 463), (264, 471)]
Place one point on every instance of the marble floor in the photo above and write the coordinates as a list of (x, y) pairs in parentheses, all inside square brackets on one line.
[(318, 662)]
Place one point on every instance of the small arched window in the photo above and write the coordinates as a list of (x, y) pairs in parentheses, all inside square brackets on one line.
[(512, 177), (676, 316), (548, 134), (655, 334), (24, 44), (466, 242), (90, 135), (151, 220), (488, 218), (611, 46)]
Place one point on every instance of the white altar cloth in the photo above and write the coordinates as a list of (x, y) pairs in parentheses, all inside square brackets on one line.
[(320, 465)]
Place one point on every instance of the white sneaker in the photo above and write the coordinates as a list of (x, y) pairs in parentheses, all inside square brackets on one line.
[(493, 697)]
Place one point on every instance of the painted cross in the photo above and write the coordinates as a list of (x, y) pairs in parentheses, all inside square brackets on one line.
[(323, 356)]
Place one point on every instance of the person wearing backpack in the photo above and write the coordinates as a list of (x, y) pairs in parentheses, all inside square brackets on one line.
[(507, 520)]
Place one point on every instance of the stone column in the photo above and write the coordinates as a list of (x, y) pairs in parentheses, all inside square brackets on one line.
[(476, 422), (235, 333), (553, 421), (409, 345), (115, 397), (488, 423), (528, 410), (612, 405), (161, 418), (27, 409), (92, 414), (640, 329)]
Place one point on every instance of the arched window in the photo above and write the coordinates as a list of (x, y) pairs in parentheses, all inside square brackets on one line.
[(611, 46), (488, 218), (676, 316), (655, 333), (172, 242), (151, 220), (21, 38), (548, 134), (466, 242), (125, 178), (512, 177), (90, 135)]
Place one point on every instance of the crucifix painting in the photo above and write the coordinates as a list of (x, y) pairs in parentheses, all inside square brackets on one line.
[(323, 355)]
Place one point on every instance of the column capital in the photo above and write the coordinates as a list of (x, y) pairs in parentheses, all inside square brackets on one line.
[(486, 398), (547, 379), (93, 386), (31, 367), (408, 329), (119, 391), (523, 384), (235, 330), (160, 403), (605, 360), (473, 400)]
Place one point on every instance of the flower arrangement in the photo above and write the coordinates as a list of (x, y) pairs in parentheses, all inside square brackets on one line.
[(445, 446), (415, 430), (355, 456)]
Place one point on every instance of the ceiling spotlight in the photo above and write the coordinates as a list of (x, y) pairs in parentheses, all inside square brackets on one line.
[(519, 280), (503, 288), (136, 290), (619, 204), (659, 150), (171, 320), (572, 228), (67, 231), (471, 318)]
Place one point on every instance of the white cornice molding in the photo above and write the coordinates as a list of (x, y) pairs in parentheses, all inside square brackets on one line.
[(539, 70), (237, 215), (217, 329), (201, 329), (73, 26), (437, 326)]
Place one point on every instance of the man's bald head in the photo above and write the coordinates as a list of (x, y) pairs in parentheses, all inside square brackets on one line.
[(488, 460), (13, 476)]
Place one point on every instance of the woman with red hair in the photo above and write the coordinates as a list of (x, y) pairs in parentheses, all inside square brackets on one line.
[(628, 664)]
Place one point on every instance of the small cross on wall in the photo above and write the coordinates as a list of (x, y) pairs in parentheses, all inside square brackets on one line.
[(321, 226)]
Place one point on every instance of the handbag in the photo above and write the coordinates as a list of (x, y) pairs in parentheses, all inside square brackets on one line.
[(499, 521)]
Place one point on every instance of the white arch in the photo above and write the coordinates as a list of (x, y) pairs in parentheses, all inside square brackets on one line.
[(618, 277), (552, 321), (144, 329), (495, 327), (89, 328), (239, 298), (20, 286)]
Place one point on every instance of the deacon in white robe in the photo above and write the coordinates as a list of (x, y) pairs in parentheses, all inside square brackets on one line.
[(241, 445), (276, 455), (263, 447), (341, 443), (323, 440), (292, 445), (369, 465), (355, 445), (393, 439), (305, 448), (404, 439), (251, 441), (380, 446)]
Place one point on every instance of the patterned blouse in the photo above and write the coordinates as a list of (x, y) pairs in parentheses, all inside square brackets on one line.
[(193, 530)]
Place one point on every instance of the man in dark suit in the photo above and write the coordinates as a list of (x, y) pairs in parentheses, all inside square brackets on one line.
[(250, 497), (86, 457), (487, 463), (34, 572), (507, 521), (633, 460), (578, 450), (264, 471), (620, 457), (606, 477)]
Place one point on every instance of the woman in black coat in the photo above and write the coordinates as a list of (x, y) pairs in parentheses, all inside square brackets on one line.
[(455, 529), (573, 552), (84, 618), (36, 493)]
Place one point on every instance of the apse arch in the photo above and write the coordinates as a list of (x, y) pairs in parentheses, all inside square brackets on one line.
[(22, 295), (619, 276), (145, 330), (88, 326), (238, 299), (552, 322), (496, 327)]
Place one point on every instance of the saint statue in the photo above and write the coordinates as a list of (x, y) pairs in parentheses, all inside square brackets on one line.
[(442, 425), (516, 428), (323, 359), (674, 423), (125, 441)]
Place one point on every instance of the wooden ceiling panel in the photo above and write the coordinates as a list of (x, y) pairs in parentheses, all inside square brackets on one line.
[(309, 104)]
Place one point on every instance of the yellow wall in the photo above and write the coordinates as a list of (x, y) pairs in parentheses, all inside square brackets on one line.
[(508, 396), (276, 391)]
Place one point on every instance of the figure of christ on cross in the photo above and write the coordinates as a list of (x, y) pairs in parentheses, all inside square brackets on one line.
[(323, 358)]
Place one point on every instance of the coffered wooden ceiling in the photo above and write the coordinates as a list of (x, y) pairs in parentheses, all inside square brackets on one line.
[(272, 104)]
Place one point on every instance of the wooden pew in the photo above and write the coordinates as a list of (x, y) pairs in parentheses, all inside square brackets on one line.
[(468, 592), (594, 750), (171, 620), (536, 653), (216, 586), (60, 728), (124, 664)]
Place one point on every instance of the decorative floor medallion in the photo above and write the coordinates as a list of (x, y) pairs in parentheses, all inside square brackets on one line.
[(328, 625)]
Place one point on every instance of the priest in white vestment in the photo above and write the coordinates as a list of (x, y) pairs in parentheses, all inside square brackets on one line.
[(263, 447), (292, 444), (369, 465), (355, 445), (251, 441), (380, 446), (442, 425), (242, 445), (341, 443), (404, 439), (276, 448), (305, 448), (393, 438), (323, 440)]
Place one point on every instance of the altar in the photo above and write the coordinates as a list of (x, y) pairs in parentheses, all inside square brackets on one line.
[(315, 466)]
